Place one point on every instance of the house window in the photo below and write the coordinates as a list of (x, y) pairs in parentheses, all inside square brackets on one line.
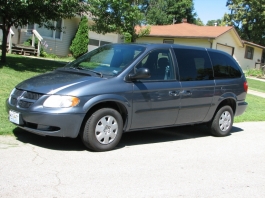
[(93, 42), (104, 43), (30, 28), (249, 52), (49, 33), (169, 41), (58, 30)]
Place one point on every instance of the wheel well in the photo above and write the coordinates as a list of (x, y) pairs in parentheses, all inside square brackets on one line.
[(230, 102), (110, 104)]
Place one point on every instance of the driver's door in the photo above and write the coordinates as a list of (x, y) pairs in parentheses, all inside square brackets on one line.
[(156, 101)]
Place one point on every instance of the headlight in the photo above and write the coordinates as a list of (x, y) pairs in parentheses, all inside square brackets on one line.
[(61, 101)]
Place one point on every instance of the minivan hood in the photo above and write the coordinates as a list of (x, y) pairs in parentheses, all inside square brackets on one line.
[(52, 82)]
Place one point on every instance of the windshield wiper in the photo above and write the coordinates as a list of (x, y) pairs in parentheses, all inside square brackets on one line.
[(83, 68), (95, 72)]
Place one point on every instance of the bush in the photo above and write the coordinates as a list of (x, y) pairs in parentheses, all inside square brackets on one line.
[(28, 42), (80, 42), (254, 72)]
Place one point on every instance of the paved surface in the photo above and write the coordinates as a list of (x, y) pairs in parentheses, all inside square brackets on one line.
[(174, 162), (256, 93)]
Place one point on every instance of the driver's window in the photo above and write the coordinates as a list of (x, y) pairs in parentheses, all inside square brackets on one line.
[(160, 65)]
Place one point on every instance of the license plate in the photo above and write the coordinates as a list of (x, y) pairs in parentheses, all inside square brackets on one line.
[(14, 117)]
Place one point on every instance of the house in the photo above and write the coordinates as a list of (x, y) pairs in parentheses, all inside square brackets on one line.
[(225, 38), (58, 41)]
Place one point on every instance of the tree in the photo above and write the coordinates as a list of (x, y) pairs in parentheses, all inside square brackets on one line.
[(248, 17), (214, 22), (199, 22), (21, 12), (80, 42), (120, 16), (163, 12)]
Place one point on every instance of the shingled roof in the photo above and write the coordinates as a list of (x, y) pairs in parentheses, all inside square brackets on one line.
[(186, 30)]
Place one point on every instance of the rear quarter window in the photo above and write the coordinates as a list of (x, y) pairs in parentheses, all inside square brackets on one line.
[(193, 64), (224, 66)]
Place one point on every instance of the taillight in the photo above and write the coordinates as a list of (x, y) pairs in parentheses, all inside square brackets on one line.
[(246, 86)]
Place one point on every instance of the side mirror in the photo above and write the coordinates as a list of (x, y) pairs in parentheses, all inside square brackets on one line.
[(141, 73)]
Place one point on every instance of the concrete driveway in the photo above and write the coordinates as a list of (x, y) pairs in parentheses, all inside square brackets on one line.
[(174, 162)]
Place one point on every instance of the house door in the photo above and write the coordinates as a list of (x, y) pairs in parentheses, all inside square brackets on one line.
[(225, 48)]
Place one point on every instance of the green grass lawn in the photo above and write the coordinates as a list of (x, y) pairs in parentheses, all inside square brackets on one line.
[(256, 85), (19, 68), (255, 110)]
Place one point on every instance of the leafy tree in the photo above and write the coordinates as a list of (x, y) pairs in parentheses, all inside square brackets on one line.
[(162, 12), (156, 13), (199, 22), (248, 17), (120, 16), (214, 22), (21, 12), (80, 42)]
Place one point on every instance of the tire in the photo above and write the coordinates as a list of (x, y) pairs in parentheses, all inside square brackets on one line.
[(103, 130), (222, 123)]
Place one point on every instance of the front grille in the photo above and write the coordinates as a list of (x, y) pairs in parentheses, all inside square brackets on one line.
[(24, 104), (31, 95), (24, 99)]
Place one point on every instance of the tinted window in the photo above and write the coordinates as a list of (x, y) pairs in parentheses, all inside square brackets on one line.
[(159, 63), (224, 66), (193, 65)]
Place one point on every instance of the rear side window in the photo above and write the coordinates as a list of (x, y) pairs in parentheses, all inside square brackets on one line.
[(193, 65), (224, 66)]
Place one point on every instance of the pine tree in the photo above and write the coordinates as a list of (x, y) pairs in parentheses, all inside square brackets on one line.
[(80, 41)]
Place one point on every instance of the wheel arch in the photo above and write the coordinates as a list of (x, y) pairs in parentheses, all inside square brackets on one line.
[(231, 101), (118, 103)]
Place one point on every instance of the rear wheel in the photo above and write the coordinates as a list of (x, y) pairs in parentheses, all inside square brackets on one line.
[(103, 130), (222, 123)]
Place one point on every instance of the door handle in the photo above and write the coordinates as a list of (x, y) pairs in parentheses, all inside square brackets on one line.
[(185, 93), (174, 93)]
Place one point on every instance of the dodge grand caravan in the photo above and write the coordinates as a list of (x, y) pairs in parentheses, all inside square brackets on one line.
[(127, 87)]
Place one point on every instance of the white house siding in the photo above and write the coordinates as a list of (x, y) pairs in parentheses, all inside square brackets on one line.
[(182, 41), (60, 47), (248, 63), (14, 37)]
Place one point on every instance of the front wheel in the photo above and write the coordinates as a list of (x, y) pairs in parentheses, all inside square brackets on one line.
[(103, 130), (222, 123)]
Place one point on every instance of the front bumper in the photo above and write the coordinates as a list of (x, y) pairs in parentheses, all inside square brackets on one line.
[(49, 124)]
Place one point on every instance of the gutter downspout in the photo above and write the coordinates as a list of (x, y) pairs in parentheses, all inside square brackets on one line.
[(211, 43)]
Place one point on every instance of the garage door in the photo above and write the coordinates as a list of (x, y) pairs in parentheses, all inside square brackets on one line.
[(225, 48)]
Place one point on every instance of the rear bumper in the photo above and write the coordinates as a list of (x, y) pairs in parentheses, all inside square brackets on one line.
[(241, 107)]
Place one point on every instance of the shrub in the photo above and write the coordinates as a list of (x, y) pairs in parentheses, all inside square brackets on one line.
[(254, 72), (80, 42)]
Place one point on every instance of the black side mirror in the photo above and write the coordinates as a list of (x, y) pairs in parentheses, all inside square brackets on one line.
[(141, 73)]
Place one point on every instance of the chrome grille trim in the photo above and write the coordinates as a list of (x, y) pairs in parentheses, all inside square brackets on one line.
[(24, 99)]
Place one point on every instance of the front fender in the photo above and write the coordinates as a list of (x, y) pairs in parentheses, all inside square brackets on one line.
[(106, 98)]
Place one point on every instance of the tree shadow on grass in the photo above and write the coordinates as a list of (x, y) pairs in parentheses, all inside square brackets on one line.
[(128, 139), (32, 64)]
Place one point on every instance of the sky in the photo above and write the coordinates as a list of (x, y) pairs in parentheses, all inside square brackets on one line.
[(210, 9)]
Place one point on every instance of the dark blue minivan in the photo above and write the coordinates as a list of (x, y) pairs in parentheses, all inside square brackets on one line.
[(127, 87)]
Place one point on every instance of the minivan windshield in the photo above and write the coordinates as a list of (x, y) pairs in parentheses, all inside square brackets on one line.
[(107, 60)]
